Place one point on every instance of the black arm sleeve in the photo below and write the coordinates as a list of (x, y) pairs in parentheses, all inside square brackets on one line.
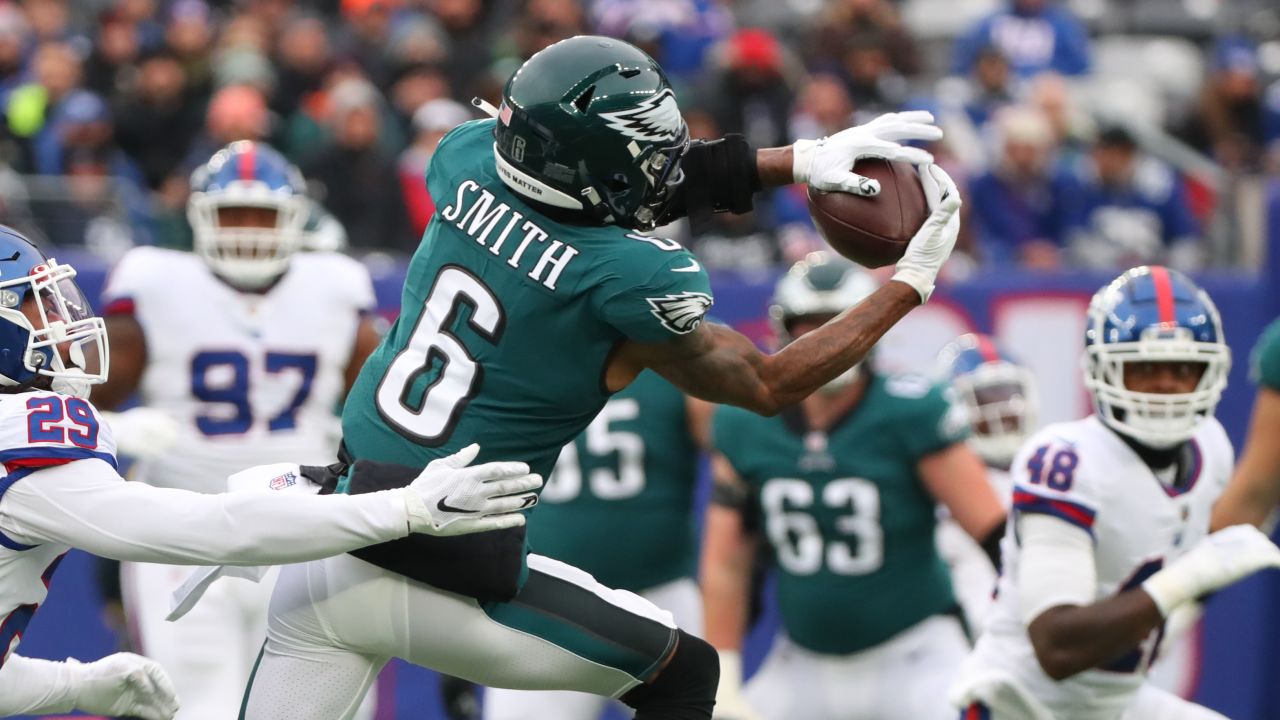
[(719, 176), (991, 545)]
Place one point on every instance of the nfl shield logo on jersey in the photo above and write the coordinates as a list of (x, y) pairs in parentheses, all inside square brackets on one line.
[(280, 482)]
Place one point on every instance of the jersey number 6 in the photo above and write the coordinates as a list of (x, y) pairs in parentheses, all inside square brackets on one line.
[(429, 382)]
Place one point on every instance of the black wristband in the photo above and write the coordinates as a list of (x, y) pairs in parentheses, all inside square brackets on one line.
[(991, 544)]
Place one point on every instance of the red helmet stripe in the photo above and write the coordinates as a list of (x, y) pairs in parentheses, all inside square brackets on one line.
[(1164, 294), (988, 349), (247, 162)]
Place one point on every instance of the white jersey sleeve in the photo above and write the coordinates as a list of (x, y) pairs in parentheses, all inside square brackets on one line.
[(131, 279), (1054, 475)]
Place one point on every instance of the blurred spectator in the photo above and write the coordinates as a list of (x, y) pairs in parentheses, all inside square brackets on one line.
[(875, 21), (1021, 207), (991, 88), (303, 57), (750, 87), (1236, 120), (413, 87), (158, 121), (351, 174), (872, 81), (189, 36), (824, 108), (51, 22), (430, 122), (14, 31), (84, 128), (1133, 210), (115, 50), (470, 43), (1073, 129), (678, 33), (56, 73), (238, 112), (1034, 35), (367, 29)]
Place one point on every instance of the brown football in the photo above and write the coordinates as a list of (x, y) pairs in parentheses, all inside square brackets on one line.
[(872, 231)]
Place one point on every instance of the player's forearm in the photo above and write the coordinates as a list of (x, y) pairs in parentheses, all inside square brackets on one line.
[(1071, 639), (776, 166), (726, 578), (818, 357), (36, 687), (89, 507), (1254, 490)]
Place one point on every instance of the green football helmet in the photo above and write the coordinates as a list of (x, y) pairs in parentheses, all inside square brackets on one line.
[(591, 124)]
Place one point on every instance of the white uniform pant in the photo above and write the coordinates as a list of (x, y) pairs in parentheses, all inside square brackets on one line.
[(904, 678), (210, 651), (680, 597), (335, 622), (1149, 703)]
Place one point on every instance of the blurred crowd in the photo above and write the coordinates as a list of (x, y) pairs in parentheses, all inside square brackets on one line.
[(1084, 136)]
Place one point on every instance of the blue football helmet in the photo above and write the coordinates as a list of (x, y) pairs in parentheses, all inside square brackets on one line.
[(997, 394), (47, 328), (1153, 314), (246, 174), (820, 286)]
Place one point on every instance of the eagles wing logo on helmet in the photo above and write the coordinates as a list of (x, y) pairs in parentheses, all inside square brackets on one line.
[(654, 119), (680, 313)]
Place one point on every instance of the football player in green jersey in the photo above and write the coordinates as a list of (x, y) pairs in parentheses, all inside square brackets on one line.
[(1254, 490), (844, 488), (531, 299), (619, 505)]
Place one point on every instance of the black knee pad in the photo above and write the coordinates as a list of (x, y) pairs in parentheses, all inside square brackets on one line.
[(685, 689)]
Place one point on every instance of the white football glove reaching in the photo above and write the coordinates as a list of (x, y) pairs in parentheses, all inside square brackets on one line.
[(1222, 558), (142, 432), (730, 705), (826, 164), (933, 242), (449, 498), (124, 684)]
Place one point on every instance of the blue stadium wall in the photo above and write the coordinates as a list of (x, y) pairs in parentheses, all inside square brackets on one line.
[(1241, 633)]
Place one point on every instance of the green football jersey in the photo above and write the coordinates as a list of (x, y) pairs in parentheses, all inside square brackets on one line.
[(620, 501), (1266, 357), (507, 320), (850, 524)]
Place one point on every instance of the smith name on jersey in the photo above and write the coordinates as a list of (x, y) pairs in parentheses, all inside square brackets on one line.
[(507, 321), (252, 377), (1083, 473), (38, 430)]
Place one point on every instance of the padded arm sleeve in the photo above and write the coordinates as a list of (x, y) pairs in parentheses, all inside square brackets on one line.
[(719, 176), (1055, 565), (86, 504)]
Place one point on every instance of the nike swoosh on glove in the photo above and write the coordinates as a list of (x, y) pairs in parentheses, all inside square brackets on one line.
[(826, 164), (125, 684), (451, 498), (1220, 559)]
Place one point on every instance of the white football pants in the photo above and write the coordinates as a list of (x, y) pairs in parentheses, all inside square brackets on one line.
[(904, 678), (681, 597), (335, 622), (210, 651)]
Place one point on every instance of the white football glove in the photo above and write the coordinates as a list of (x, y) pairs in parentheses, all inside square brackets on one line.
[(142, 432), (825, 164), (124, 684), (730, 705), (933, 242), (449, 498), (1217, 561)]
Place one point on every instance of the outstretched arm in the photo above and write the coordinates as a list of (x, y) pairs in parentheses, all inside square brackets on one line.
[(86, 504), (1254, 490), (120, 684), (717, 364)]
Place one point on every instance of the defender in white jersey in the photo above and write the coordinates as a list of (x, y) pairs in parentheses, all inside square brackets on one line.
[(251, 347), (60, 489), (999, 397), (1110, 535)]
